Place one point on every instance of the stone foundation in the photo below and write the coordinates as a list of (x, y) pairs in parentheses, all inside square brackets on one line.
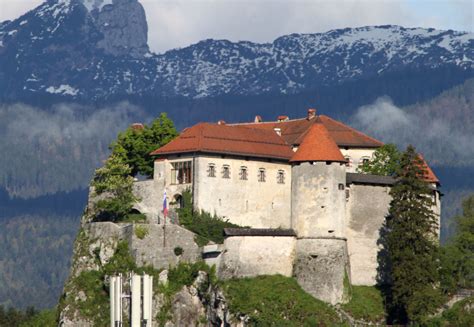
[(321, 265)]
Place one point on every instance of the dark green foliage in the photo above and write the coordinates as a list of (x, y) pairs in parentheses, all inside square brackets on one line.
[(412, 244), (134, 146), (12, 317), (460, 315), (207, 227), (178, 251), (277, 301), (29, 318), (457, 257), (46, 318), (35, 253), (366, 304), (114, 182), (385, 161)]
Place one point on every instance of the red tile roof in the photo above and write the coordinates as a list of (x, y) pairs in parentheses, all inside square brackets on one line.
[(430, 176), (225, 139), (318, 145), (293, 131)]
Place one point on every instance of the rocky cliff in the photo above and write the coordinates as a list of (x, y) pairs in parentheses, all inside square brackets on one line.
[(184, 292)]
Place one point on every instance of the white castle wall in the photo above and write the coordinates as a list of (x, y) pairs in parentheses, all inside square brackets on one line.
[(356, 156), (367, 208), (244, 202), (249, 256)]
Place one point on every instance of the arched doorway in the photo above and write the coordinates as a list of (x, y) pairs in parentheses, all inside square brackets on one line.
[(178, 199)]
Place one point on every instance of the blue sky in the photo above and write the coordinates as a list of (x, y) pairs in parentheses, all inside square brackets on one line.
[(178, 23)]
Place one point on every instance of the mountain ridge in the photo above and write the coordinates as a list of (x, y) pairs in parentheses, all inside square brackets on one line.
[(91, 62)]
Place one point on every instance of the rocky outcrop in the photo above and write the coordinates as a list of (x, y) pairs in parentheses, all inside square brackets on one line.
[(123, 26)]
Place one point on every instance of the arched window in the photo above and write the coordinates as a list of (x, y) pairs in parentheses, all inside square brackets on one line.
[(261, 175), (281, 177), (348, 161), (211, 170)]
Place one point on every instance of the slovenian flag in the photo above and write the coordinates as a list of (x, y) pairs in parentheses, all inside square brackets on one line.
[(165, 206)]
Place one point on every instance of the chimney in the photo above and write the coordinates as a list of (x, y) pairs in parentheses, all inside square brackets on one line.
[(311, 113), (258, 119), (137, 126), (283, 118), (277, 130), (221, 122)]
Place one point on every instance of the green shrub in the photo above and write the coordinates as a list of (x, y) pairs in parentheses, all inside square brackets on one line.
[(460, 315), (184, 274), (178, 251), (141, 232), (277, 301), (207, 227), (366, 304), (96, 305), (115, 183)]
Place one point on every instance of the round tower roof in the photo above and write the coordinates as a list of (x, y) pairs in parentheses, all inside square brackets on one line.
[(317, 145)]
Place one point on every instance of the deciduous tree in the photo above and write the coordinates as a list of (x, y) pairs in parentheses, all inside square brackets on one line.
[(134, 145)]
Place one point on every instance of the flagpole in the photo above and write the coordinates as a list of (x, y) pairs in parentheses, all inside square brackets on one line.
[(165, 213)]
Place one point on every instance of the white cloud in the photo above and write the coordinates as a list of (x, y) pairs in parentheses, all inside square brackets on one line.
[(179, 23), (440, 140)]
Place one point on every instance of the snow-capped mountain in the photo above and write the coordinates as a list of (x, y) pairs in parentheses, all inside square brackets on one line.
[(97, 49)]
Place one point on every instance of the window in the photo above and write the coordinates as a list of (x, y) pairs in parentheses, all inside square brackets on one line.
[(281, 177), (243, 173), (225, 171), (341, 187), (364, 160), (181, 172), (261, 175), (211, 170), (348, 161)]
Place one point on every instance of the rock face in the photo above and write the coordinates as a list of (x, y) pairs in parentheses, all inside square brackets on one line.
[(123, 26)]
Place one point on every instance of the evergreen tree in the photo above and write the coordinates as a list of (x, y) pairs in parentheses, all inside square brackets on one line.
[(385, 161), (412, 243), (134, 145), (458, 255), (114, 182)]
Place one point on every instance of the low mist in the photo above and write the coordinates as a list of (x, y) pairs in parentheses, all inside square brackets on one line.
[(45, 152), (442, 141)]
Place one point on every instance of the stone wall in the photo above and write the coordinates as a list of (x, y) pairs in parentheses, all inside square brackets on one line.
[(156, 248), (321, 268), (318, 203), (367, 208), (249, 256), (150, 193)]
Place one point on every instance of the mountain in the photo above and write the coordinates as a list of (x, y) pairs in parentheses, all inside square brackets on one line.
[(95, 50)]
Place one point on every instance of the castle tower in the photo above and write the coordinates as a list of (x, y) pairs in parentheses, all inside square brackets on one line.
[(318, 216)]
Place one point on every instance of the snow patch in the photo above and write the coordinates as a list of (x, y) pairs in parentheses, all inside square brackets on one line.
[(12, 32), (23, 22), (96, 4), (62, 89)]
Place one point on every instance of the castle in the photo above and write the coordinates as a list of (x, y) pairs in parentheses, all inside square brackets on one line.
[(294, 183)]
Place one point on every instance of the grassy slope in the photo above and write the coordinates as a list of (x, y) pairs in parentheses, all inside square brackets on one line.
[(277, 301), (366, 304)]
